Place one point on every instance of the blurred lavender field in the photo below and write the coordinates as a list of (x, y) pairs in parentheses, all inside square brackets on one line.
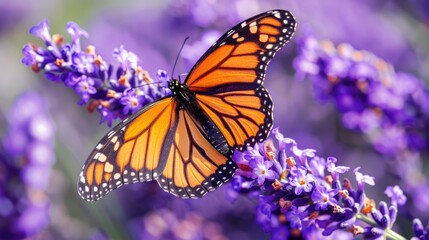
[(352, 83)]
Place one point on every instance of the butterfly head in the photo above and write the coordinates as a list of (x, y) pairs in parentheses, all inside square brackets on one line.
[(175, 86)]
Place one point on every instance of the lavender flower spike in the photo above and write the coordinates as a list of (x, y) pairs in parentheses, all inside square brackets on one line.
[(26, 160), (388, 107), (113, 93), (303, 201)]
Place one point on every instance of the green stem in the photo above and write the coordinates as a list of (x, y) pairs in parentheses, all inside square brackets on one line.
[(390, 234)]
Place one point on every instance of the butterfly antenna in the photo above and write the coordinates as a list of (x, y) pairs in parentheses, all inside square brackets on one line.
[(177, 58), (151, 83)]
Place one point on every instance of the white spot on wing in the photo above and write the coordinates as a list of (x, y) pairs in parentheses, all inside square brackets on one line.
[(116, 176), (102, 157)]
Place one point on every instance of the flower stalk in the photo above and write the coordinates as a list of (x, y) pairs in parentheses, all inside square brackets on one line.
[(113, 92)]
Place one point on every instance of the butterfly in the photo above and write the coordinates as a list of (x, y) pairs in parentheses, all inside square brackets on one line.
[(185, 141)]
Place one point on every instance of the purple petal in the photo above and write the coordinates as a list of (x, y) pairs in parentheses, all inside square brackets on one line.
[(396, 195), (75, 31), (41, 30)]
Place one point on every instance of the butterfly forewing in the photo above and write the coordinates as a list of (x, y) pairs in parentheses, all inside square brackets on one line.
[(227, 79), (131, 152)]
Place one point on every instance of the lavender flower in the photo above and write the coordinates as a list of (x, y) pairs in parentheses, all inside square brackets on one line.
[(388, 107), (311, 203), (396, 195), (113, 94), (333, 169), (420, 232), (385, 216), (26, 159), (262, 171), (324, 198), (363, 179), (301, 180), (261, 167)]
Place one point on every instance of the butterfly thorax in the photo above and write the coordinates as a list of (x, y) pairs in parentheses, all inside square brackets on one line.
[(181, 93), (186, 100)]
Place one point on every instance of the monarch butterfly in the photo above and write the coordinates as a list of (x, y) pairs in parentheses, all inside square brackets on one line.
[(185, 141)]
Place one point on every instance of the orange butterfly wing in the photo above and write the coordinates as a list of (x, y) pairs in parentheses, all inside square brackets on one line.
[(194, 166), (227, 79), (164, 142), (133, 151)]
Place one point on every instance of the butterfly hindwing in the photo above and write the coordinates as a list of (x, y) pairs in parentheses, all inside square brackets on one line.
[(194, 166), (131, 152), (227, 79), (245, 116)]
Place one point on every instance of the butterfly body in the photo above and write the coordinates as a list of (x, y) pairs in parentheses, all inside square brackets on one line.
[(186, 100), (185, 141)]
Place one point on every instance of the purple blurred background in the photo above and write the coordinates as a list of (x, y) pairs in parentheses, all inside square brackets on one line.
[(395, 32)]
